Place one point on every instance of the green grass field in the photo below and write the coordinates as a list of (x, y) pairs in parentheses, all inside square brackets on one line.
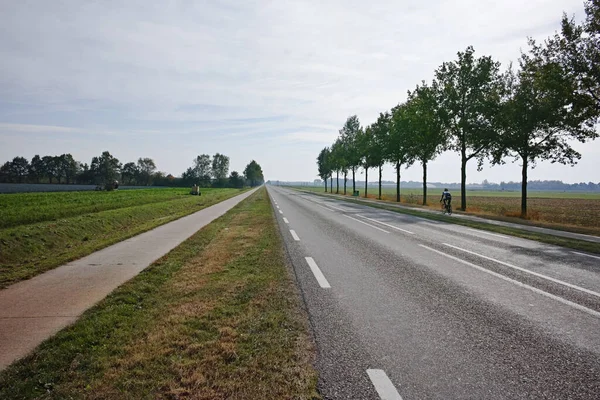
[(218, 317), (40, 231)]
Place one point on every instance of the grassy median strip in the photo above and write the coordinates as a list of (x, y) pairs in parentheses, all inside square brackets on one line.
[(30, 249), (540, 237), (217, 318)]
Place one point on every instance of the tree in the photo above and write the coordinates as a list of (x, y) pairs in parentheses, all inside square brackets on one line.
[(49, 167), (353, 158), (538, 119), (36, 169), (381, 133), (220, 168), (202, 169), (129, 173), (337, 162), (427, 137), (66, 166), (469, 96), (146, 168), (398, 145), (19, 168), (577, 50), (367, 146), (323, 165), (235, 180), (253, 173), (105, 169)]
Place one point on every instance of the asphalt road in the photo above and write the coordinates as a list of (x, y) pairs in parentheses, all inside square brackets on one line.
[(403, 307)]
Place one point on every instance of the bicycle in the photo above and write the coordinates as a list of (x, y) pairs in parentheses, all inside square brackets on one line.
[(447, 208)]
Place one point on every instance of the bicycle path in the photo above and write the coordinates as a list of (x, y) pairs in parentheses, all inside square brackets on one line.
[(547, 231), (33, 310)]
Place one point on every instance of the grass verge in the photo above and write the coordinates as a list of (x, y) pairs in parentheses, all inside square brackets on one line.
[(540, 237), (28, 250), (216, 318)]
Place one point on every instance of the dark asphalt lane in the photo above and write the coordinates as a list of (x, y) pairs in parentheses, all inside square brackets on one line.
[(444, 311)]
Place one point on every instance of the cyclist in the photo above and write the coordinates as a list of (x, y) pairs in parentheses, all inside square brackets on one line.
[(447, 199)]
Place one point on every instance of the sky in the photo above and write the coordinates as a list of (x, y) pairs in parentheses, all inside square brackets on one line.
[(272, 81)]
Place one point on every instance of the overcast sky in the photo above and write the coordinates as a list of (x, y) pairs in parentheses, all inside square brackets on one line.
[(267, 80)]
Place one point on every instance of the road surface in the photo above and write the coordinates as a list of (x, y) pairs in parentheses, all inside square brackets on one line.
[(403, 307)]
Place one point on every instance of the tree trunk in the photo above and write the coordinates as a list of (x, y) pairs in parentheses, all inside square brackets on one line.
[(380, 167), (345, 181), (331, 183), (337, 182), (353, 180), (524, 189), (424, 183), (398, 182), (463, 180), (366, 180), (325, 184)]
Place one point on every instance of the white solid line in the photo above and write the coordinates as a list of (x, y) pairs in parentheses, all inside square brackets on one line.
[(488, 233), (328, 209), (286, 220), (280, 212), (293, 232), (363, 222), (317, 273), (385, 388), (533, 289), (335, 208), (587, 255), (528, 271), (383, 223)]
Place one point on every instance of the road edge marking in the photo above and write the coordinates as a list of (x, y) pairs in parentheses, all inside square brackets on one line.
[(383, 385), (587, 255), (363, 222), (294, 235), (558, 281), (488, 233), (286, 220), (317, 273), (513, 281), (383, 223)]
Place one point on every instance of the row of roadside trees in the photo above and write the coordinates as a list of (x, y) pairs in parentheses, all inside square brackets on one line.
[(531, 112)]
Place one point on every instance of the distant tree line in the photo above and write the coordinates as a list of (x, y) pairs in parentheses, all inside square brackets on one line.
[(105, 169), (214, 173), (528, 113)]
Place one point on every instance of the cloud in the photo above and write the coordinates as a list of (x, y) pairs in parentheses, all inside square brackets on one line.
[(174, 79)]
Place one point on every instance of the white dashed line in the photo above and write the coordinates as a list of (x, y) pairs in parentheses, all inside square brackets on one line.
[(363, 222), (293, 232), (587, 255), (385, 388), (388, 225), (528, 271), (488, 233), (317, 273), (280, 212), (533, 289), (286, 220)]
